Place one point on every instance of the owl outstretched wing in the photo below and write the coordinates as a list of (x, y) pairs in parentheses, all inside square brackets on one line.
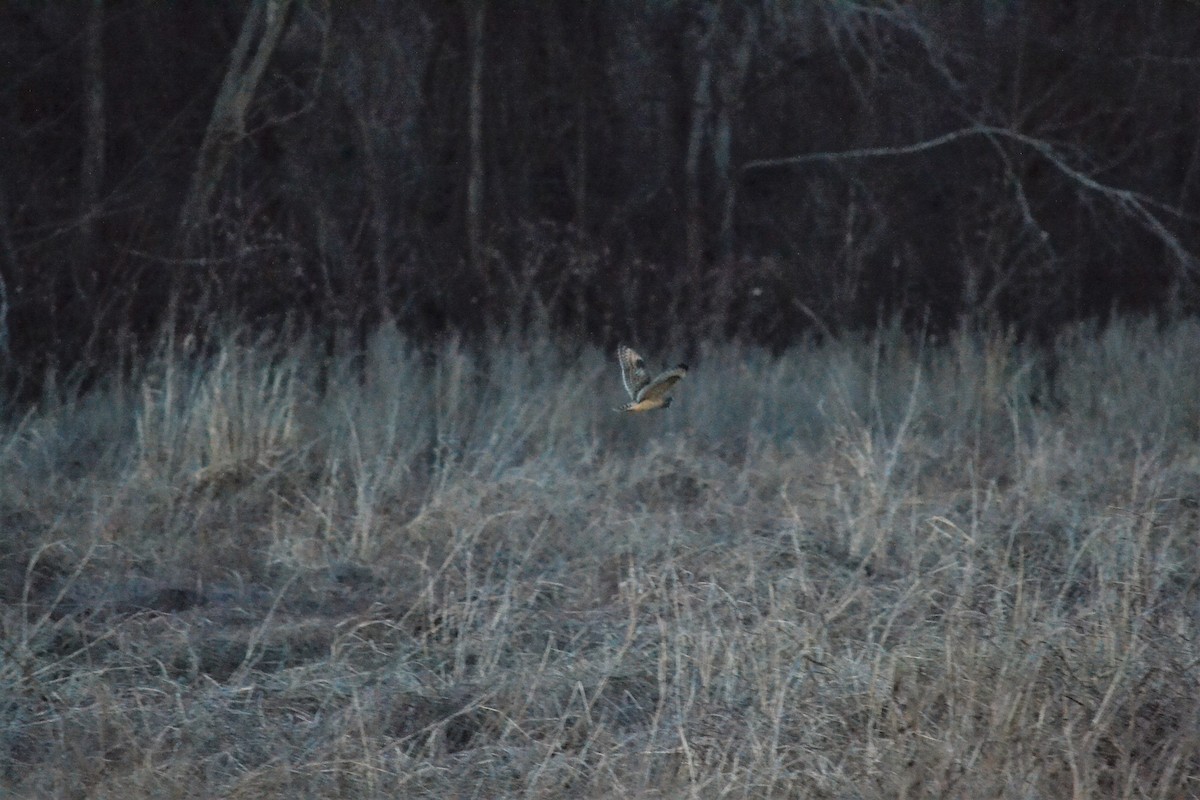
[(633, 371), (657, 389)]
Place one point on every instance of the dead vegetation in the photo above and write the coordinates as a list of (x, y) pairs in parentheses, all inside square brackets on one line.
[(859, 569)]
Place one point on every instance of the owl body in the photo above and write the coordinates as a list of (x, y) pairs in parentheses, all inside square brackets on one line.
[(646, 393)]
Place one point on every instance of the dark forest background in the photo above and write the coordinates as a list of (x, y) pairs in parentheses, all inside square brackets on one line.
[(612, 169)]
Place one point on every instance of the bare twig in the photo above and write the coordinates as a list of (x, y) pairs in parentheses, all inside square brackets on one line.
[(1137, 204)]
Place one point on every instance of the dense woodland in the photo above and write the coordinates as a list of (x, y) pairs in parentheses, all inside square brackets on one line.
[(763, 170)]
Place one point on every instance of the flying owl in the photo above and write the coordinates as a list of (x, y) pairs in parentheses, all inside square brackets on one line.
[(645, 393)]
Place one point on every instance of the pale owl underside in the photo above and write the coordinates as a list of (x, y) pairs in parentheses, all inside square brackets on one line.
[(645, 392)]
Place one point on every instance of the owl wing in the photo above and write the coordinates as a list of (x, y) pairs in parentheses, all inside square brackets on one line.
[(659, 387), (633, 371)]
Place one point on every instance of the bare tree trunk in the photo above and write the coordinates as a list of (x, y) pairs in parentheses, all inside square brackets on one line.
[(729, 88), (375, 179), (694, 205), (91, 172), (262, 28), (475, 20), (9, 252), (581, 162)]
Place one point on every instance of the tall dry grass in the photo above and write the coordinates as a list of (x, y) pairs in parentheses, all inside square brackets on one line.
[(861, 569)]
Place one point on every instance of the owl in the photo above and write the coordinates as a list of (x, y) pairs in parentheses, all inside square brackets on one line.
[(645, 393)]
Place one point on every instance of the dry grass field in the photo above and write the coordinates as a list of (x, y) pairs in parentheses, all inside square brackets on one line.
[(861, 569)]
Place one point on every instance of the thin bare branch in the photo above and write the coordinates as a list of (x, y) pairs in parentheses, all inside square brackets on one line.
[(1135, 202)]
